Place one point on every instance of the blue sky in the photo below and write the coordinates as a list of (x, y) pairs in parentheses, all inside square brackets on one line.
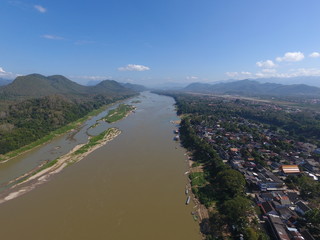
[(148, 41)]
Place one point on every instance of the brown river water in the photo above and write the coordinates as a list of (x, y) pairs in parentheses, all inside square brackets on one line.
[(131, 188)]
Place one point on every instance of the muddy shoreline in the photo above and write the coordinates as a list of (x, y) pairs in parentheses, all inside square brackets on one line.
[(35, 177)]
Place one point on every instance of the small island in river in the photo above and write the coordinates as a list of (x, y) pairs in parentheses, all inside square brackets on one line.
[(117, 114)]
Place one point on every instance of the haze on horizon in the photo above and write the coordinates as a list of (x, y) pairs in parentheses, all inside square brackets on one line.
[(151, 42)]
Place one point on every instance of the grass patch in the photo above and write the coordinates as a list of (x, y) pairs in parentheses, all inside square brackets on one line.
[(94, 141), (94, 125), (47, 165), (197, 179), (117, 114), (196, 164)]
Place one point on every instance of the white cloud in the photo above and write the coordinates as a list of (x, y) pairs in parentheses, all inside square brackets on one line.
[(246, 73), (239, 75), (192, 78), (268, 70), (266, 64), (40, 8), (314, 55), (304, 72), (269, 73), (52, 37), (134, 67), (5, 74), (90, 77), (232, 74), (291, 57)]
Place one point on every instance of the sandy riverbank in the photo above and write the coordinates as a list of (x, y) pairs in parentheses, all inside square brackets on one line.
[(201, 212), (38, 176)]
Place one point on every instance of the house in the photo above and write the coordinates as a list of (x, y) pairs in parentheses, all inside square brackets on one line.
[(293, 196), (267, 208), (294, 234), (275, 165), (268, 196), (267, 181), (278, 228), (290, 169), (284, 201), (311, 165), (285, 213), (302, 208)]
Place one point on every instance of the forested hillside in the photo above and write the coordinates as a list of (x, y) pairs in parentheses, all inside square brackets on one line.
[(33, 106)]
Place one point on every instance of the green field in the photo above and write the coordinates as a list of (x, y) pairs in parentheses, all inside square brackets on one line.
[(117, 114), (94, 141)]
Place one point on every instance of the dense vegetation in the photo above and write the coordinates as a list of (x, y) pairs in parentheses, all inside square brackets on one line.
[(33, 106), (27, 121)]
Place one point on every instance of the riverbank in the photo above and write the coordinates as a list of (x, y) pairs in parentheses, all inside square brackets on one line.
[(73, 126), (201, 212), (41, 174)]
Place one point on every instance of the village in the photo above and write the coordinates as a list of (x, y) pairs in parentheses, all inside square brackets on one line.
[(268, 159)]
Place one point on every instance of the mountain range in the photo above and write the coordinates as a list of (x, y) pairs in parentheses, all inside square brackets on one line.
[(253, 88), (32, 106), (36, 85)]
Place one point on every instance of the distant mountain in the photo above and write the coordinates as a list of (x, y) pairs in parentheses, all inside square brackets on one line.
[(199, 87), (110, 87), (169, 86), (134, 87), (254, 88), (4, 82), (308, 80), (36, 85)]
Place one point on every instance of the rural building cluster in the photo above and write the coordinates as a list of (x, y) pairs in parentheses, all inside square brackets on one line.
[(267, 159)]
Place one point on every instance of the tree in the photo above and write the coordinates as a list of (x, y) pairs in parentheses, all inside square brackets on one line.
[(236, 210), (230, 183)]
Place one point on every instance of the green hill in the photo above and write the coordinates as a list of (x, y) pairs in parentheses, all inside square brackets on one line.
[(134, 87), (33, 106), (110, 87), (36, 85)]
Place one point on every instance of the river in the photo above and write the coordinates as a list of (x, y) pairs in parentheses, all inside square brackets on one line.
[(131, 188)]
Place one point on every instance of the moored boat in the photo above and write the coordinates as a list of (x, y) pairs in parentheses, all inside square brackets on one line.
[(188, 200)]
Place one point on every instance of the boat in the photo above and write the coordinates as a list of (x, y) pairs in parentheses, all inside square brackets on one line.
[(187, 191), (188, 200)]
